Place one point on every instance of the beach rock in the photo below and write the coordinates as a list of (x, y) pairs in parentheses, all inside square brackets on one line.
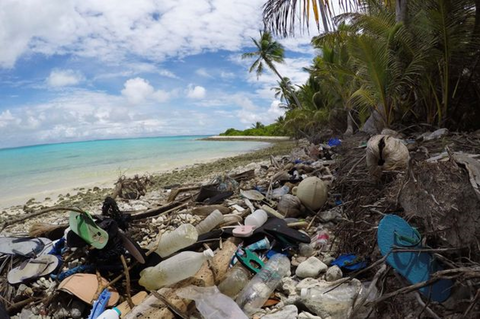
[(328, 260), (305, 250), (289, 311), (61, 313), (289, 286), (311, 267), (298, 260), (333, 273)]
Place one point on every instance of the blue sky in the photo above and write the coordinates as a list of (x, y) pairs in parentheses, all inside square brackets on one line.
[(81, 70)]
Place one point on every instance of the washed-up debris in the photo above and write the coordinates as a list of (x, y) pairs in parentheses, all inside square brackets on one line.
[(294, 236), (386, 153)]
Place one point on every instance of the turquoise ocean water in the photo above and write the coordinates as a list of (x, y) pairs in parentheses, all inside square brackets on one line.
[(47, 170)]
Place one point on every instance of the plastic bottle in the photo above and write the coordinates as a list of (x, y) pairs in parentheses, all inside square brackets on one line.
[(215, 218), (279, 192), (211, 303), (257, 218), (182, 237), (236, 279), (174, 269), (257, 291), (113, 313)]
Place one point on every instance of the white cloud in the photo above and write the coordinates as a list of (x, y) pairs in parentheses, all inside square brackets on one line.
[(196, 92), (203, 72), (111, 30), (138, 91), (167, 74), (82, 115), (60, 78), (251, 113), (227, 75), (161, 96)]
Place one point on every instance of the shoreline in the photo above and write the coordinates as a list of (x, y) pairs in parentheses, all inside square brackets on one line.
[(248, 138), (91, 198), (107, 182)]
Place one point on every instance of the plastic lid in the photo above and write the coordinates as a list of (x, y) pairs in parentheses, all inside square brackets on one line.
[(303, 292), (208, 253), (117, 310)]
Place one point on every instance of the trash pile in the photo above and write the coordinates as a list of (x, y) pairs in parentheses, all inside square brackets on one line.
[(382, 226)]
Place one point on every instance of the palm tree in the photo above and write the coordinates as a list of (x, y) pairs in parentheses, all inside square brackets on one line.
[(282, 92), (258, 125), (281, 16), (268, 52)]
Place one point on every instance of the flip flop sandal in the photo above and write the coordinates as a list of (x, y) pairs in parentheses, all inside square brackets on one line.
[(395, 232), (133, 248), (210, 195), (32, 269), (24, 246), (84, 226), (349, 262)]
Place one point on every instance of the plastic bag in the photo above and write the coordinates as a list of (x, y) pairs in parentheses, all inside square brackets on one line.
[(211, 303)]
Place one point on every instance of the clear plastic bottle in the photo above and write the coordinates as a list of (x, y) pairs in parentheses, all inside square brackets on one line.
[(113, 313), (235, 280), (174, 269), (215, 218), (182, 237), (257, 218), (257, 291)]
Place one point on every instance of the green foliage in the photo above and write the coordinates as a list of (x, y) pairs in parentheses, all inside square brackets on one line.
[(424, 69), (275, 129)]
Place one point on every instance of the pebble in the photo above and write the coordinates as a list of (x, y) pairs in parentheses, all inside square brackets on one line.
[(77, 309), (333, 273), (307, 315), (311, 267), (288, 286), (289, 311), (298, 260), (306, 250), (328, 260), (61, 313)]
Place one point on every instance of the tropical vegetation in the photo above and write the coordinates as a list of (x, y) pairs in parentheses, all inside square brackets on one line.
[(382, 64), (258, 129)]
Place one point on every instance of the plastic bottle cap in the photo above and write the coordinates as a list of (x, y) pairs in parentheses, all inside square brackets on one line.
[(303, 292), (208, 253), (117, 310)]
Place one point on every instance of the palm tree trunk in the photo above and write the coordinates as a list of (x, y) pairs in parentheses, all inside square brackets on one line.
[(349, 130), (289, 89), (401, 10)]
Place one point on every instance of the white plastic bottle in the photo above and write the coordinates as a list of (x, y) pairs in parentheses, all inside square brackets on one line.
[(257, 218), (182, 237), (257, 291), (174, 269), (215, 218), (113, 313)]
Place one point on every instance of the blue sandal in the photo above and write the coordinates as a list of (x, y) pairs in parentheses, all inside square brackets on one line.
[(395, 232)]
